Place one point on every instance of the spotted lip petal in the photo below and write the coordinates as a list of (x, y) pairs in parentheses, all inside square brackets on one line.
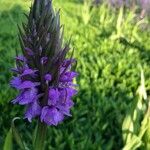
[(51, 116), (33, 110), (53, 96), (26, 97)]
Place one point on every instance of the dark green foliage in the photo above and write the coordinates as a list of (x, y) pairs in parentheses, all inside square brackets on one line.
[(108, 50)]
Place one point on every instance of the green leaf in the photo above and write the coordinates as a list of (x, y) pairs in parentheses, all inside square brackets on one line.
[(16, 134), (134, 143), (8, 145), (120, 21), (127, 128)]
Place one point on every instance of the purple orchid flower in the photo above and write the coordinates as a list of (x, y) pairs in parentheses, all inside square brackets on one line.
[(43, 74)]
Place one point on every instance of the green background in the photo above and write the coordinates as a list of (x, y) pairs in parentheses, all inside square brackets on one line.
[(109, 46)]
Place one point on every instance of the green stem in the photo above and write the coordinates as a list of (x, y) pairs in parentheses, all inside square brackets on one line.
[(40, 136)]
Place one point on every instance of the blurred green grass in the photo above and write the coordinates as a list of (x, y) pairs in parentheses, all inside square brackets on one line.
[(109, 50)]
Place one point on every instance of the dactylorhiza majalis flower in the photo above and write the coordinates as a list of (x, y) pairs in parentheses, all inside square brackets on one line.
[(43, 74)]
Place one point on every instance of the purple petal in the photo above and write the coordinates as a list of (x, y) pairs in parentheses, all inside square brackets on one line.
[(15, 82), (17, 99), (62, 70), (51, 116), (21, 58), (68, 62), (68, 76), (53, 96), (33, 110), (64, 109), (44, 60), (64, 106), (65, 103), (28, 72), (57, 116), (48, 77), (66, 93), (69, 103), (71, 92), (28, 84), (28, 96), (44, 113)]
